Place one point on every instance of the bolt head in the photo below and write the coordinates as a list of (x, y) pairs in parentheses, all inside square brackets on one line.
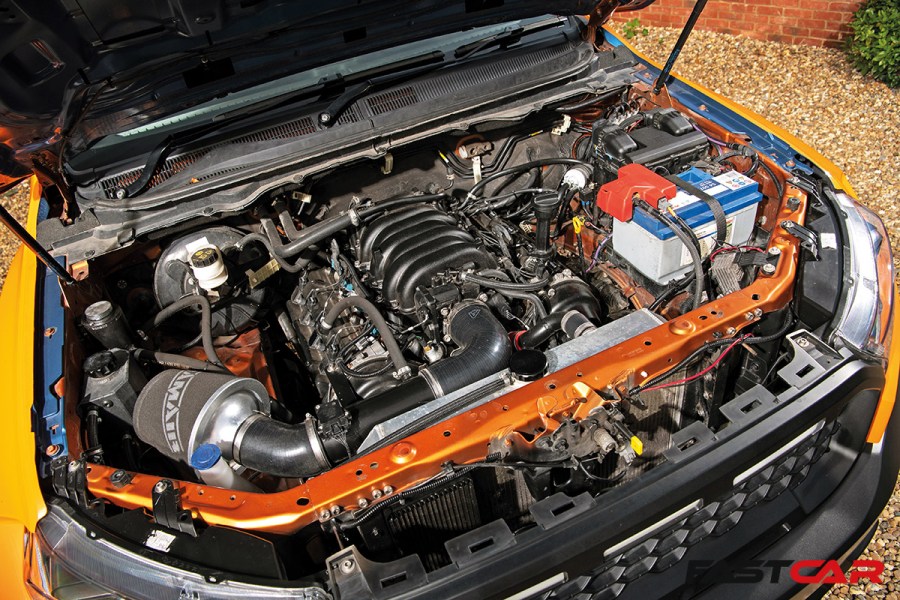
[(348, 565), (362, 502), (376, 494), (160, 487), (768, 269), (388, 490), (774, 251)]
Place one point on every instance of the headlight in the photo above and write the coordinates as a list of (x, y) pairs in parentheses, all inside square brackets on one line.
[(864, 314), (66, 561)]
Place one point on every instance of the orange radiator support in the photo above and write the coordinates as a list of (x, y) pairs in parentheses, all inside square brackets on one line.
[(369, 479)]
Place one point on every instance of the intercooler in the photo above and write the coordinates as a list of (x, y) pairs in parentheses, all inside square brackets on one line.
[(422, 526)]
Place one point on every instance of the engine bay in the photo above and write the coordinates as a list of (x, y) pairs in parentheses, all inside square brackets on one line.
[(396, 351)]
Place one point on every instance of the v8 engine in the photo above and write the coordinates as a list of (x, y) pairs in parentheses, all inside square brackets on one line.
[(350, 310)]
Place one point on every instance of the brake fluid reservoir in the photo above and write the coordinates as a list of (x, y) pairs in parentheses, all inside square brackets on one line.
[(208, 267)]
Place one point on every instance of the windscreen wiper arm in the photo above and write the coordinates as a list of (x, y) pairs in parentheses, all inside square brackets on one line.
[(504, 38), (376, 76)]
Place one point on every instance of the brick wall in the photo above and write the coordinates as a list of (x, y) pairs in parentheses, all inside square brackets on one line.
[(814, 22)]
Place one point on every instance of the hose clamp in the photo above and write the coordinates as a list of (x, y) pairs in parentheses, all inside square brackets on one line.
[(239, 435), (436, 388), (315, 443)]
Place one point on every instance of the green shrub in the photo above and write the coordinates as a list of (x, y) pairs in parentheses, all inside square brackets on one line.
[(633, 28), (874, 47)]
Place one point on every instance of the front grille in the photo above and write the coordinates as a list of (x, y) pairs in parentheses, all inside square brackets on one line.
[(668, 547)]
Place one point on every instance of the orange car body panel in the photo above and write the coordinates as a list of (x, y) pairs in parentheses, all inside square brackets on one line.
[(21, 502)]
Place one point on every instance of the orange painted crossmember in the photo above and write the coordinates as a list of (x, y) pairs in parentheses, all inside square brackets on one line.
[(532, 409)]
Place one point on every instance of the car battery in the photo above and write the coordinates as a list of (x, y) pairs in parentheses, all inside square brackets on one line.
[(655, 251)]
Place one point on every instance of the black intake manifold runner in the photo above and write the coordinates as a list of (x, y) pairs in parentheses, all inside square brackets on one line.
[(406, 248)]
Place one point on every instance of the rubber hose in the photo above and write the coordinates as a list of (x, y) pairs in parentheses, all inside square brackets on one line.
[(93, 436), (530, 286), (484, 350), (539, 309), (205, 322), (378, 321), (541, 332), (290, 268), (176, 361)]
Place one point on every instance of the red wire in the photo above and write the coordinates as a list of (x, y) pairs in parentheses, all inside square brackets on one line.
[(704, 371), (516, 337)]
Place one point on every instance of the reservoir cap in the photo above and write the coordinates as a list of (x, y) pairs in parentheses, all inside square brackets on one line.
[(528, 365)]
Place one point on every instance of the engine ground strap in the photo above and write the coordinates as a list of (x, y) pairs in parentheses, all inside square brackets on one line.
[(715, 207)]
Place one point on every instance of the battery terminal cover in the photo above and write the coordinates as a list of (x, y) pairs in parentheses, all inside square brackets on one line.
[(634, 181)]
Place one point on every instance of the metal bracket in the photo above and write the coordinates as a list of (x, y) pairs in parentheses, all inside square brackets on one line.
[(69, 480), (809, 239), (167, 510), (811, 358), (353, 576)]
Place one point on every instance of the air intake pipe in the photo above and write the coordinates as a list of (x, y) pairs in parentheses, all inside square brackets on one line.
[(180, 410)]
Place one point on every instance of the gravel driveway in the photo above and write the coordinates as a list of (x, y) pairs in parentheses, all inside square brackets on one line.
[(815, 94)]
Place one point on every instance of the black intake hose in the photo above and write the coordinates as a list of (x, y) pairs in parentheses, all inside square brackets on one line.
[(297, 450), (280, 449), (484, 350)]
